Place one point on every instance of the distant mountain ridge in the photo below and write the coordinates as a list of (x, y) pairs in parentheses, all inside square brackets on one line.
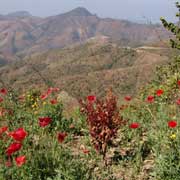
[(20, 14), (22, 34)]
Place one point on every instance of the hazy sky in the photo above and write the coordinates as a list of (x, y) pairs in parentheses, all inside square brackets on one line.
[(121, 9)]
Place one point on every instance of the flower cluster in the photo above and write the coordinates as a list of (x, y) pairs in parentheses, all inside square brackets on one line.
[(18, 136), (3, 92)]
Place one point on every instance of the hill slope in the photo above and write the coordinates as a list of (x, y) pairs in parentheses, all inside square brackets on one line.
[(84, 69)]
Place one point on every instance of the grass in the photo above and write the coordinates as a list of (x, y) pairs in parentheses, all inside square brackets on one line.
[(134, 139)]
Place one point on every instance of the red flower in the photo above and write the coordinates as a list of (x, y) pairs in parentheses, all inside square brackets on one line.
[(55, 89), (91, 98), (150, 99), (44, 96), (1, 99), (3, 91), (8, 163), (18, 134), (128, 98), (53, 101), (3, 129), (172, 124), (85, 151), (20, 160), (13, 148), (61, 136), (49, 91), (44, 121), (178, 82), (134, 125), (178, 102), (159, 92)]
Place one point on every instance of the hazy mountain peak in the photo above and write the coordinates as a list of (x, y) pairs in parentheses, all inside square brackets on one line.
[(19, 14), (79, 11)]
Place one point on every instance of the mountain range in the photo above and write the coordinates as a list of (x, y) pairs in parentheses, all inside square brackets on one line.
[(22, 34)]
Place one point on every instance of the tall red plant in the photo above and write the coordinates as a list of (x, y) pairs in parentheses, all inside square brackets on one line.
[(104, 120)]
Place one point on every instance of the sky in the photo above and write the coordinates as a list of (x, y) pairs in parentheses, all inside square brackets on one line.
[(134, 10)]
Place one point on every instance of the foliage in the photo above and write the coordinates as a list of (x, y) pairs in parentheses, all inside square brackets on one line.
[(104, 120), (174, 28)]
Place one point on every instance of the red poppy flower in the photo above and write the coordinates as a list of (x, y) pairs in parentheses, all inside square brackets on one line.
[(55, 89), (91, 98), (44, 121), (128, 98), (44, 96), (3, 91), (159, 92), (8, 163), (20, 160), (18, 134), (13, 148), (61, 136), (178, 102), (150, 99), (172, 124), (1, 99), (85, 151), (178, 82), (2, 112), (49, 91), (3, 129), (134, 125), (53, 101)]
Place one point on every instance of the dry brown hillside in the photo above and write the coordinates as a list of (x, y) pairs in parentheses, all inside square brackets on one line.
[(89, 68)]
